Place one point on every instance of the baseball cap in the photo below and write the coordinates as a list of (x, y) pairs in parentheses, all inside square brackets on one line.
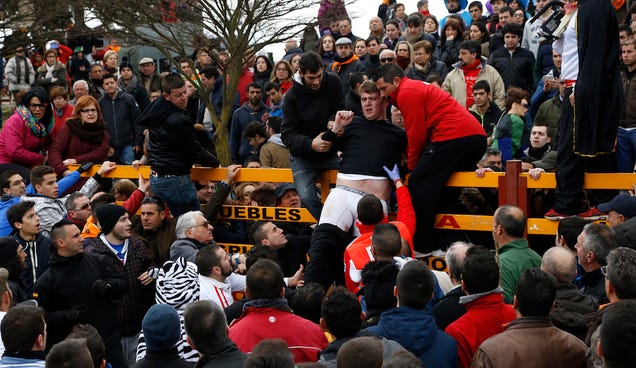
[(622, 203)]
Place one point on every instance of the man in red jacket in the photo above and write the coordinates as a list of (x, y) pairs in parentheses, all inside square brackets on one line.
[(267, 316), (486, 312), (443, 137)]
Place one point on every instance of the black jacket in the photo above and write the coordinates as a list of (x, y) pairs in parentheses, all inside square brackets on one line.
[(173, 147), (67, 284), (516, 68), (328, 244), (448, 310), (133, 307), (37, 260), (163, 359), (570, 308), (307, 112), (120, 116), (229, 356)]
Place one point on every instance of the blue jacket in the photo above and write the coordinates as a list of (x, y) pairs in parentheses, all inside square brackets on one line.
[(239, 145), (8, 361), (8, 201), (417, 331)]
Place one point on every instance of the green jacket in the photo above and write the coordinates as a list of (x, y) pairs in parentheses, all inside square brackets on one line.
[(514, 258)]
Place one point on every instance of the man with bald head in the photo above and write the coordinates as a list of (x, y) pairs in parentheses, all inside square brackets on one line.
[(570, 305), (508, 230), (388, 57)]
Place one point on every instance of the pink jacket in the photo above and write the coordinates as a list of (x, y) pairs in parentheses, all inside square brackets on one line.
[(19, 146)]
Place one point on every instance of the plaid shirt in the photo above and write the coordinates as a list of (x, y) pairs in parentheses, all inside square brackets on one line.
[(132, 308)]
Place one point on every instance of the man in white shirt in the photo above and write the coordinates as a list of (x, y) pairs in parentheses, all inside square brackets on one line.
[(217, 281)]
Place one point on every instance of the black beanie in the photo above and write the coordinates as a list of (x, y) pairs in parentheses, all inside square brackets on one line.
[(125, 64), (108, 215), (8, 249)]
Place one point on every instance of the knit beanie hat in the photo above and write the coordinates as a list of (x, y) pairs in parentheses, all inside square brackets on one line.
[(108, 215), (125, 64), (8, 249), (161, 327)]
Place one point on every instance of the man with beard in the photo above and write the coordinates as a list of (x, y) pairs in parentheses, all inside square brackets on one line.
[(156, 228), (345, 62), (131, 257), (315, 97), (251, 111), (456, 7), (218, 283)]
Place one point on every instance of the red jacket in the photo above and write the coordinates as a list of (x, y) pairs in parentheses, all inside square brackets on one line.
[(304, 338), (19, 145), (67, 145), (485, 317), (431, 115), (358, 252), (60, 121)]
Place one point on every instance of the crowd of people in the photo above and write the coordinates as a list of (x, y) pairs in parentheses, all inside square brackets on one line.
[(133, 273)]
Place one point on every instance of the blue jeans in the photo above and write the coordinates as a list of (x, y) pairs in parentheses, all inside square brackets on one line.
[(178, 192), (125, 154), (305, 173), (626, 150)]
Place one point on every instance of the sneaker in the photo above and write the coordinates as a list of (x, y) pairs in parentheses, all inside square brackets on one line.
[(554, 215), (593, 214)]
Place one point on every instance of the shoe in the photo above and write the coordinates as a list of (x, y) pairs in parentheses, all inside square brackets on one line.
[(593, 214), (554, 215)]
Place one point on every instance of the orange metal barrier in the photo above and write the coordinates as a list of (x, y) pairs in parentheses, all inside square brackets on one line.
[(513, 189)]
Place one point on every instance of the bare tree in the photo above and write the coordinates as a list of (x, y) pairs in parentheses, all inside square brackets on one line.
[(244, 27)]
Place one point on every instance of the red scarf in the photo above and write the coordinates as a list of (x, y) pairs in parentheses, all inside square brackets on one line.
[(470, 75)]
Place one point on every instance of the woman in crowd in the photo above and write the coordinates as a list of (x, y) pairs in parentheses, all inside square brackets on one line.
[(404, 54), (431, 25), (393, 34), (111, 63), (294, 61), (262, 70), (282, 75), (424, 63), (519, 17), (52, 73), (203, 58), (451, 37), (82, 139), (62, 110), (478, 32), (360, 49), (326, 48), (26, 135), (510, 133)]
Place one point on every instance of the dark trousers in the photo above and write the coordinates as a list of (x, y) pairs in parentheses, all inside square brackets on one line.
[(427, 183), (571, 167)]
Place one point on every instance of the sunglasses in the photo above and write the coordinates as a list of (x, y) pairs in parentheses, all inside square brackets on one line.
[(387, 60), (89, 111)]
